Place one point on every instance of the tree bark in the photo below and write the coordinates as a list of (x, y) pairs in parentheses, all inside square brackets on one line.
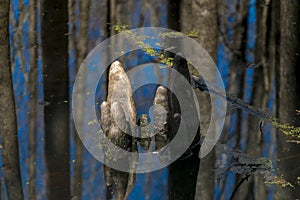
[(119, 12), (33, 81), (8, 120), (119, 111), (81, 50), (55, 68), (288, 99), (202, 16)]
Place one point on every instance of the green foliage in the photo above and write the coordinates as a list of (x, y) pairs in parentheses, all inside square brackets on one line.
[(140, 41), (120, 28), (93, 122), (193, 34)]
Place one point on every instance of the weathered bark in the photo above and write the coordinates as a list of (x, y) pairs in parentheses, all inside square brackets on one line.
[(119, 184), (119, 12), (117, 116), (161, 114), (55, 60), (288, 99), (8, 119), (202, 16), (33, 79)]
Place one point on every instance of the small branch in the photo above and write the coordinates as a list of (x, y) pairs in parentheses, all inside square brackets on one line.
[(238, 186), (235, 101)]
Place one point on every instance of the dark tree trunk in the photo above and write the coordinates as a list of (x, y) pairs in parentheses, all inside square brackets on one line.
[(183, 172), (288, 99), (55, 61), (173, 16), (8, 120), (200, 16)]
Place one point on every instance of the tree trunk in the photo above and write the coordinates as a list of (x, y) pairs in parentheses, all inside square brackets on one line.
[(8, 120), (55, 69), (119, 12), (288, 99), (173, 14), (119, 184), (182, 172), (81, 50), (33, 81), (202, 16)]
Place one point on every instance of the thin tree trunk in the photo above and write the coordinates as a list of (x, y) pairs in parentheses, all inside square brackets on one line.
[(8, 120), (33, 78), (81, 49), (288, 99), (55, 60)]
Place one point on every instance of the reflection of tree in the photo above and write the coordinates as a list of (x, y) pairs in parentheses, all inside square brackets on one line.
[(8, 120), (55, 70), (262, 90), (80, 46), (236, 46)]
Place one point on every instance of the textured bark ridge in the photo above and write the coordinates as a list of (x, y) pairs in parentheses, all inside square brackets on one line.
[(118, 119), (161, 112), (119, 90), (144, 132)]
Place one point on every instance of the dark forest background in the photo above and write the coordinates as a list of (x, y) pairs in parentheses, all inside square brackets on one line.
[(255, 44)]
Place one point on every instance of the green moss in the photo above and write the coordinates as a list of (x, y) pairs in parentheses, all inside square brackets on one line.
[(140, 41), (92, 122), (292, 132), (120, 28), (193, 34)]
